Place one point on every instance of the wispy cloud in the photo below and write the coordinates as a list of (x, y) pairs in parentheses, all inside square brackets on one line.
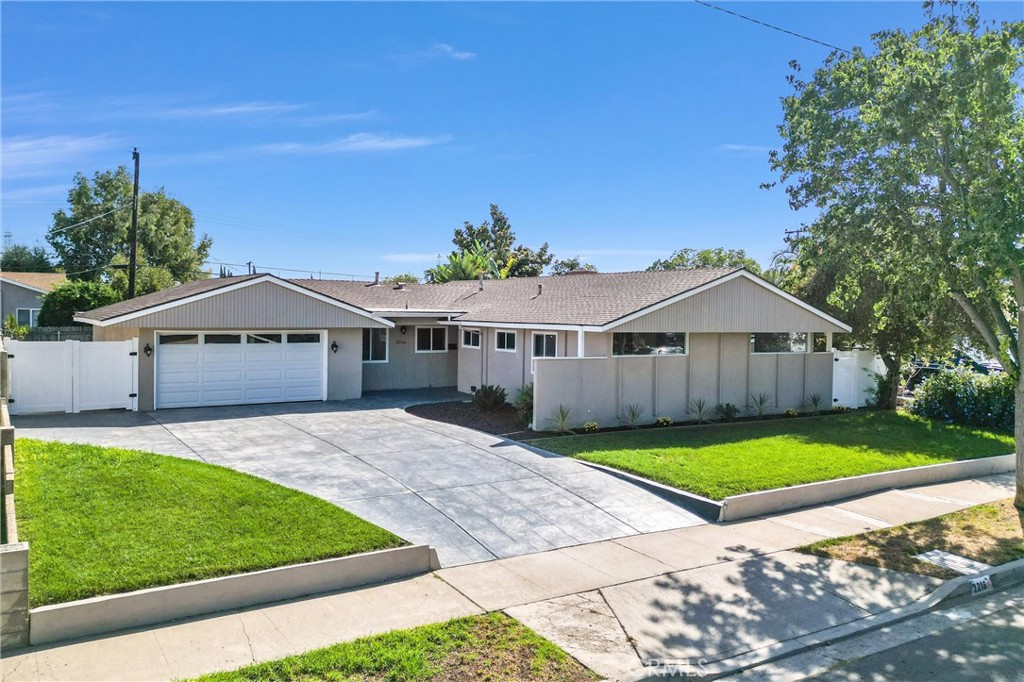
[(409, 257), (744, 148), (446, 50), (29, 156), (236, 109), (355, 143)]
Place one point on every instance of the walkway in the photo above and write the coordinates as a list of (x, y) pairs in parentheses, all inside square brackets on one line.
[(471, 496), (709, 591)]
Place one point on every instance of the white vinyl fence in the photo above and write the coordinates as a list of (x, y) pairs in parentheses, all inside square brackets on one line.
[(71, 376), (853, 377)]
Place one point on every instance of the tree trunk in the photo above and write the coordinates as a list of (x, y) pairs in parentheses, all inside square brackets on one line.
[(887, 398), (1018, 435)]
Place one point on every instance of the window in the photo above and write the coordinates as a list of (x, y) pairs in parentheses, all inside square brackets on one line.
[(222, 338), (779, 342), (303, 338), (649, 343), (375, 345), (263, 338), (167, 339), (470, 338), (544, 345), (505, 341), (820, 341), (431, 339), (842, 341), (28, 317)]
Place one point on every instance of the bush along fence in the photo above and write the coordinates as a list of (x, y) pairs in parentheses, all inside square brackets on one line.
[(14, 624), (962, 396)]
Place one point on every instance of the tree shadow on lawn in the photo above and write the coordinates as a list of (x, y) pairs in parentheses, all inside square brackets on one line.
[(727, 609), (886, 433)]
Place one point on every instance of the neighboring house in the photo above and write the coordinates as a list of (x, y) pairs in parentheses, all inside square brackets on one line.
[(21, 294), (594, 342)]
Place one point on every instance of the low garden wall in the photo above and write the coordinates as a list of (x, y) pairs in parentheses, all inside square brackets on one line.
[(783, 499), (110, 613)]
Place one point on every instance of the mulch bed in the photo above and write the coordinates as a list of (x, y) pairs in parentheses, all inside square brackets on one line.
[(501, 422)]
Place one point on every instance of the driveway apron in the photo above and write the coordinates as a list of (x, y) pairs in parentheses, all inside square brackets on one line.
[(471, 496)]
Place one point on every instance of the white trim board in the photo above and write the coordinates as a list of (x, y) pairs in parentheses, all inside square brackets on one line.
[(229, 288), (16, 283), (722, 280)]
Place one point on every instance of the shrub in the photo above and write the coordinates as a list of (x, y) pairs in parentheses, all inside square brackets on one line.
[(962, 396), (591, 427), (791, 413), (61, 304), (815, 401), (760, 402), (663, 421), (489, 398), (727, 411), (840, 409), (559, 422), (632, 415), (699, 408), (13, 329), (524, 402)]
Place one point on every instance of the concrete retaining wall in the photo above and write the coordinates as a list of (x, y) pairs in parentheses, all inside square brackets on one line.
[(14, 630), (160, 604), (782, 499)]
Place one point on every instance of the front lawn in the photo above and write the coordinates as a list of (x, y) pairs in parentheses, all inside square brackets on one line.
[(989, 533), (492, 647), (729, 459), (105, 520)]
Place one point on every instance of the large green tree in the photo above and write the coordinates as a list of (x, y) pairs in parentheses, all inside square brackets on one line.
[(61, 304), (21, 258), (914, 150), (93, 231), (472, 263), (688, 259), (563, 266), (497, 237)]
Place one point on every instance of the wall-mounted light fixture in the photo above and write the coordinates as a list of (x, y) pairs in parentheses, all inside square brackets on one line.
[(334, 346), (402, 329), (148, 350)]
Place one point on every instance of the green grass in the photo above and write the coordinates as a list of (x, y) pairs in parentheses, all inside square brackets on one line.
[(730, 459), (105, 520), (492, 647)]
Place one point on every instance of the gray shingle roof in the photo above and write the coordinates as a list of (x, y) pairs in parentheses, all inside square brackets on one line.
[(582, 299)]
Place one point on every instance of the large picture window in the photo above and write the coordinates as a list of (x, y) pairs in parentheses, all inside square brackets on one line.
[(375, 345), (649, 343), (779, 342), (431, 339)]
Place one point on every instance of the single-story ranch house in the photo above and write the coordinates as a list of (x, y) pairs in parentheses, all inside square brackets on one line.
[(595, 343)]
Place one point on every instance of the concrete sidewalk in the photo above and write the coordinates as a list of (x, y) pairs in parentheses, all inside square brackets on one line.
[(711, 591)]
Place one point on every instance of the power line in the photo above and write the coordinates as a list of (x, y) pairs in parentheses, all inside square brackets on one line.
[(84, 222), (773, 27), (303, 270)]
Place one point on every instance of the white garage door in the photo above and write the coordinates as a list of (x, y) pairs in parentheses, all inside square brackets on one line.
[(238, 368)]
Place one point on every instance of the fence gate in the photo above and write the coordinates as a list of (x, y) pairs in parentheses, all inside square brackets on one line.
[(71, 376), (853, 377)]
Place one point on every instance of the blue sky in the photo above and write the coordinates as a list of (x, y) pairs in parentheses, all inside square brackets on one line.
[(354, 137)]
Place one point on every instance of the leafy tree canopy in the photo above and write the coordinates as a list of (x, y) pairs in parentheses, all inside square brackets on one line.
[(61, 304), (914, 152), (167, 236), (404, 278), (564, 266), (498, 238), (21, 258), (471, 263), (688, 259)]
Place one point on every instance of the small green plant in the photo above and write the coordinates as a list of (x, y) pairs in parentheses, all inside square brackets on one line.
[(727, 411), (559, 422), (524, 402), (791, 413), (489, 398), (591, 427), (13, 329), (664, 421), (840, 409), (632, 415), (760, 402), (815, 401), (699, 409)]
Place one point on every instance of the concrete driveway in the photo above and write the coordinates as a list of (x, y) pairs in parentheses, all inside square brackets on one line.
[(472, 496)]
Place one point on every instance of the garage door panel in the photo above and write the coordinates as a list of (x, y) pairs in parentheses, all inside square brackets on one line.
[(232, 374)]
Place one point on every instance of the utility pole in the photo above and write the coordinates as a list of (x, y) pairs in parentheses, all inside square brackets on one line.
[(133, 248)]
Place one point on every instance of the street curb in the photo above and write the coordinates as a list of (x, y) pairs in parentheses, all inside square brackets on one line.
[(1001, 577), (707, 509)]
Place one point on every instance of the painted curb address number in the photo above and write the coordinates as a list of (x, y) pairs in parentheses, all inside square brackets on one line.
[(980, 585)]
